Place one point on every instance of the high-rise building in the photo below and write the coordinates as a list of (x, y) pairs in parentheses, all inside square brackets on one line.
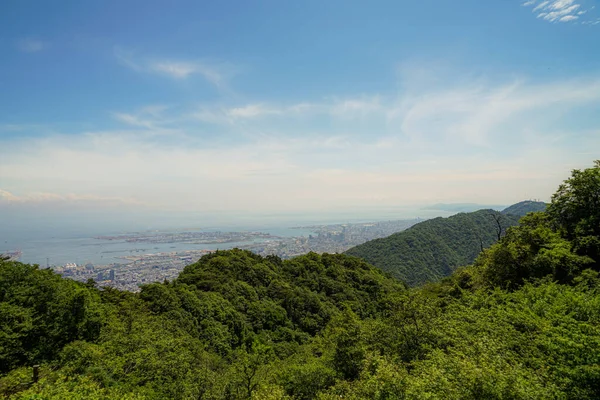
[(111, 275)]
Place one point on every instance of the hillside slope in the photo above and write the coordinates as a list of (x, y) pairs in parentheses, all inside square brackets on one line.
[(434, 248), (524, 207)]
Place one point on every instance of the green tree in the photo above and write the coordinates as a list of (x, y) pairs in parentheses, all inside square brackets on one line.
[(575, 209), (530, 250)]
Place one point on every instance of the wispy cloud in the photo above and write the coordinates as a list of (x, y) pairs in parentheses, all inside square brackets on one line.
[(182, 70), (356, 107), (149, 117), (179, 70), (351, 108), (7, 197), (30, 45), (474, 140), (127, 58), (216, 73), (592, 22), (468, 113), (252, 111), (568, 18), (475, 113), (277, 174), (556, 10)]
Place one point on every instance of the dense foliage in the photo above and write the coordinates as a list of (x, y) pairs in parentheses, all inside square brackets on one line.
[(525, 207), (522, 322), (214, 330), (432, 249)]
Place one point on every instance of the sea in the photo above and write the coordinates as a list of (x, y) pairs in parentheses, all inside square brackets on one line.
[(58, 248)]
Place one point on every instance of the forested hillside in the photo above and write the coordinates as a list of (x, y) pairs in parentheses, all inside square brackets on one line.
[(524, 207), (431, 250), (522, 322), (209, 331)]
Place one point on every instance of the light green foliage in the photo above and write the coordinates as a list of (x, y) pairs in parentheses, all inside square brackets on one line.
[(251, 371), (77, 388), (305, 376)]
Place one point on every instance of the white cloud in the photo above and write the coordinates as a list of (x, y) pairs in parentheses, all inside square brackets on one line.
[(351, 108), (348, 108), (596, 22), (7, 197), (561, 4), (175, 69), (474, 113), (30, 45), (562, 13), (182, 70), (556, 10), (134, 120), (215, 73), (540, 6), (568, 18), (252, 111), (149, 117), (470, 113)]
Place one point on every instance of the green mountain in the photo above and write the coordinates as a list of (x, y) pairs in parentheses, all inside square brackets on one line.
[(524, 207), (521, 322), (431, 250)]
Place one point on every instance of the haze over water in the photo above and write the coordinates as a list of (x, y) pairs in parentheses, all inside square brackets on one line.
[(70, 237)]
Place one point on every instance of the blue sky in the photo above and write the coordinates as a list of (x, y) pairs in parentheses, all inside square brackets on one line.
[(305, 106)]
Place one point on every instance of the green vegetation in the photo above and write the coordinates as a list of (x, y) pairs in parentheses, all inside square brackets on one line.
[(521, 322), (525, 207), (433, 249), (217, 331)]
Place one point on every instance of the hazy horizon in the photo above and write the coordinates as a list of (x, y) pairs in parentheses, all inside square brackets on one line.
[(115, 220)]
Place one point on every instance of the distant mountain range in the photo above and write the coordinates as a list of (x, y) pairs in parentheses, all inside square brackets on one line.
[(432, 249)]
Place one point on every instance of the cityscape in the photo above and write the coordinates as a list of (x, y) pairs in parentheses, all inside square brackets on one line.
[(145, 266)]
